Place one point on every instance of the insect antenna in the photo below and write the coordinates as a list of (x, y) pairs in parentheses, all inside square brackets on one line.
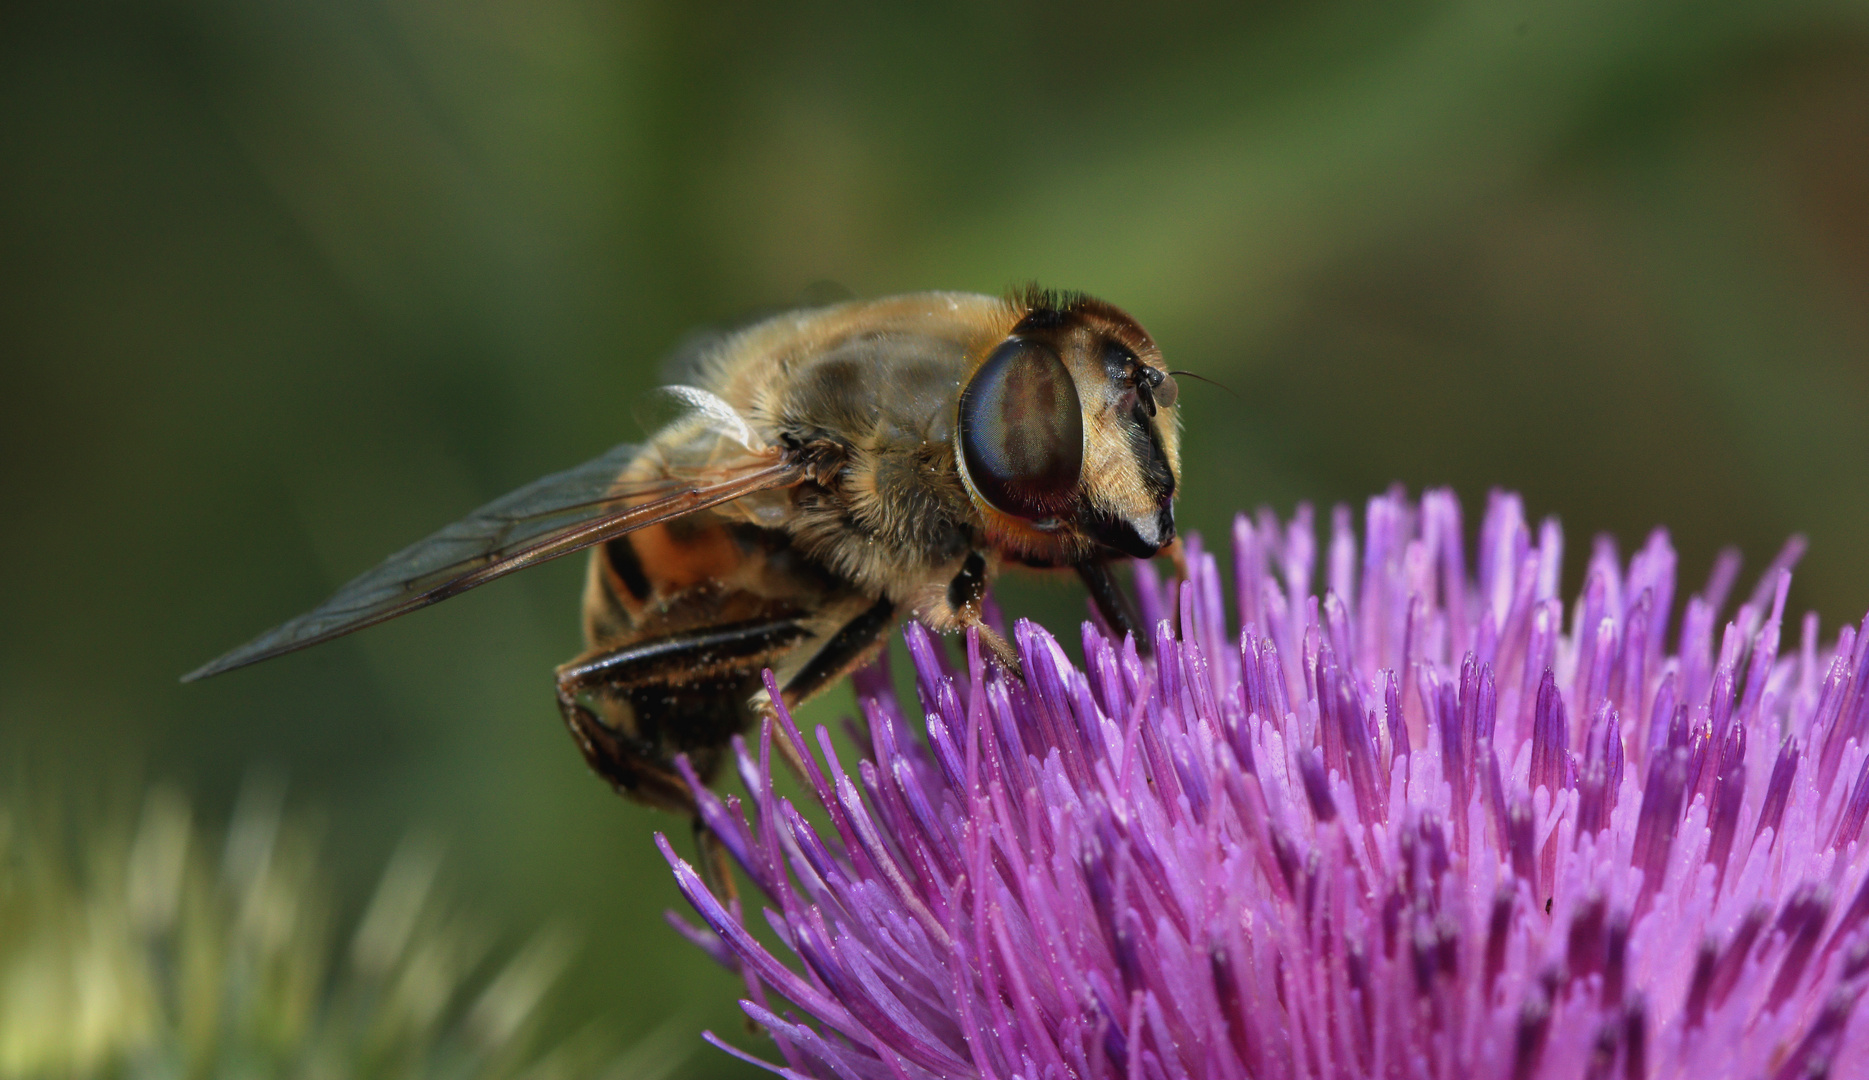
[(1205, 379)]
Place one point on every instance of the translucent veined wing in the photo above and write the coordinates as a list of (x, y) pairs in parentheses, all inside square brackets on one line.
[(557, 515)]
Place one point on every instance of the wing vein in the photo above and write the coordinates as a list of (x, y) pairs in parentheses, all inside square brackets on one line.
[(549, 518)]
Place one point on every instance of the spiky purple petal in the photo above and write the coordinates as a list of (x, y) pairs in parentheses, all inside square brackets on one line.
[(1416, 826)]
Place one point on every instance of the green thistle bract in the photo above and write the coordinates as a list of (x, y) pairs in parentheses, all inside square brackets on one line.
[(151, 951)]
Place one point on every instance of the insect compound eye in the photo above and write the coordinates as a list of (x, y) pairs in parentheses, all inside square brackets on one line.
[(1022, 430)]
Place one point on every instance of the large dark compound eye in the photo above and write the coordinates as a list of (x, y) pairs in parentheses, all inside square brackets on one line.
[(1022, 430)]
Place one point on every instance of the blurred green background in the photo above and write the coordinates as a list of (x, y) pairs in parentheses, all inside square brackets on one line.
[(286, 286)]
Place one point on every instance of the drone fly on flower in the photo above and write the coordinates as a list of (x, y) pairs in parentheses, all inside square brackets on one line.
[(836, 469)]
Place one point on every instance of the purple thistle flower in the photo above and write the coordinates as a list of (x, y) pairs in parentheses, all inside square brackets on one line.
[(1415, 827)]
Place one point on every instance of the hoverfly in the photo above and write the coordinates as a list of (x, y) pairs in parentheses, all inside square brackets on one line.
[(838, 468)]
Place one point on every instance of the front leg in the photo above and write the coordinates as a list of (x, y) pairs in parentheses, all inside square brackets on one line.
[(1113, 604), (965, 598)]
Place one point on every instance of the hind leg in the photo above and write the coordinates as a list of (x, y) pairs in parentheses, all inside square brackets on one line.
[(694, 685), (692, 690), (678, 686)]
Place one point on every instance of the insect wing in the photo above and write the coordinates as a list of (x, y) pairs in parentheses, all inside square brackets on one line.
[(557, 515)]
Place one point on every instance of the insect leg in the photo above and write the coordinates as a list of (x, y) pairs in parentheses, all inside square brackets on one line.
[(843, 651), (1113, 604), (716, 869), (636, 766), (1177, 553), (964, 596), (630, 765), (1001, 649)]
